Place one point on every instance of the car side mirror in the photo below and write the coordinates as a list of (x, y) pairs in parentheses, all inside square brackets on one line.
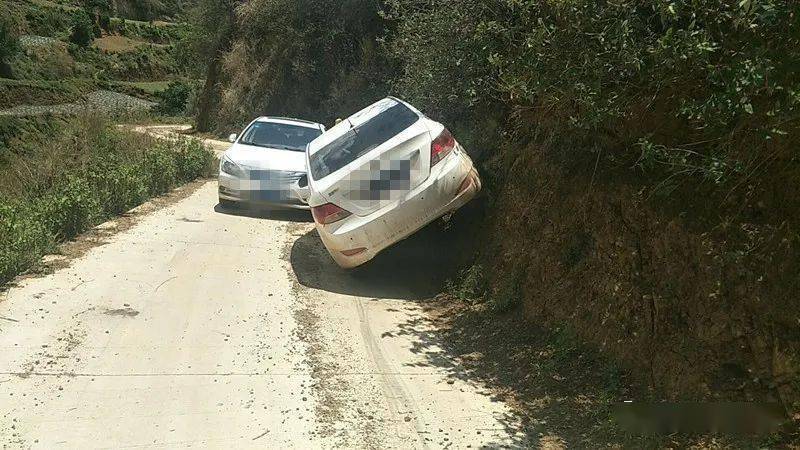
[(232, 138)]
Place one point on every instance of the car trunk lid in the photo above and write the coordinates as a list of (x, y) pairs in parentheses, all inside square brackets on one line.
[(383, 176)]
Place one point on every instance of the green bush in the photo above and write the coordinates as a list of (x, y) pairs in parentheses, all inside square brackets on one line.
[(173, 100), (705, 88), (9, 45), (102, 172), (50, 22), (193, 159), (161, 168), (82, 29), (469, 286), (23, 239), (70, 207)]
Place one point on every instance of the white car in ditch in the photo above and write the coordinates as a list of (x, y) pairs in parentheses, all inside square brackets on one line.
[(382, 174), (265, 161)]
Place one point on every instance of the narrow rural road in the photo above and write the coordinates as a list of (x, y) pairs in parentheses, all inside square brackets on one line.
[(194, 326)]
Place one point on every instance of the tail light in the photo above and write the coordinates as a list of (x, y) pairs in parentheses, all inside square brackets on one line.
[(442, 146), (328, 213)]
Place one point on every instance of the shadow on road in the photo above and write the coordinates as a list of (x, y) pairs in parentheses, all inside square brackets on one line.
[(413, 269), (282, 215)]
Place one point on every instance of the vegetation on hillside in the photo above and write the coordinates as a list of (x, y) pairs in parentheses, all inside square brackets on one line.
[(640, 158), (85, 45), (684, 113), (74, 175), (9, 45), (60, 173)]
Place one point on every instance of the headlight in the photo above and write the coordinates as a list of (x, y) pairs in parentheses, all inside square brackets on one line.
[(231, 168)]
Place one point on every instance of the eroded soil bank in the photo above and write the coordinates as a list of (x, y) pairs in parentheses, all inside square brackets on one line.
[(692, 292)]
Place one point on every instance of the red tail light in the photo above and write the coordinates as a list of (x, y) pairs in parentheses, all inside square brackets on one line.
[(328, 213), (442, 146)]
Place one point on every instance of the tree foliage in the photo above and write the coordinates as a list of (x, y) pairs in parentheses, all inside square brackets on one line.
[(173, 100), (9, 45), (672, 85), (310, 58), (649, 78), (82, 29)]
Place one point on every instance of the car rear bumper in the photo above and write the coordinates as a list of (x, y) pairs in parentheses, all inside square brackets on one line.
[(230, 189), (456, 184)]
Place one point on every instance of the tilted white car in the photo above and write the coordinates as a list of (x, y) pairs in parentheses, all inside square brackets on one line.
[(265, 161), (382, 174)]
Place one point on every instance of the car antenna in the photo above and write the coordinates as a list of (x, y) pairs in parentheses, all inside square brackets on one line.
[(352, 128)]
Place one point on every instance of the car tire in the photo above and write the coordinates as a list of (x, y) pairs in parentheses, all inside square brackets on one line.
[(227, 204)]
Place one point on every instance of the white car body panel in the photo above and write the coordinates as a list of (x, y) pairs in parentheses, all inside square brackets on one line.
[(281, 167), (266, 158), (376, 224)]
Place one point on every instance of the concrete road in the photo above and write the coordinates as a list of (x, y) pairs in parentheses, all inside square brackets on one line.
[(192, 326)]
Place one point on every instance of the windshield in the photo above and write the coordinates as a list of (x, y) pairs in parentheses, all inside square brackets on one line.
[(361, 139), (279, 135)]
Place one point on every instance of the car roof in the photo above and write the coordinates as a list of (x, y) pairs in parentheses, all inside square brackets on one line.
[(291, 121)]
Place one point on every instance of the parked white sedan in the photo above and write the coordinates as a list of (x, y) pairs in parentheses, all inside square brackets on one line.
[(382, 174), (265, 161)]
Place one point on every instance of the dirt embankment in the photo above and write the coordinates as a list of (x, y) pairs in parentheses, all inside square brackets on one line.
[(695, 292)]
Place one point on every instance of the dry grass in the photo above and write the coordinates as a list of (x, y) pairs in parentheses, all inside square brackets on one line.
[(114, 43)]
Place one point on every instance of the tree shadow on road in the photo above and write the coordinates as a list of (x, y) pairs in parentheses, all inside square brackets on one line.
[(504, 357), (560, 392)]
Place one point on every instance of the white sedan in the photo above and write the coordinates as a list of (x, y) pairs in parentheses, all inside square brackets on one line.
[(265, 161), (382, 174)]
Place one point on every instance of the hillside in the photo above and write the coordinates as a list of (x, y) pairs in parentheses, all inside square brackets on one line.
[(641, 160), (61, 57), (75, 48), (641, 205)]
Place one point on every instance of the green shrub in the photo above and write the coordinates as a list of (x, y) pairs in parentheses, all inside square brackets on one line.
[(173, 100), (9, 45), (50, 22), (85, 172), (82, 29), (23, 239), (120, 184), (160, 165), (69, 208), (194, 160), (469, 285), (705, 88)]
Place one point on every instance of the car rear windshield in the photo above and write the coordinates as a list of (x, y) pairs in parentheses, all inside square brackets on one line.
[(361, 139), (279, 135)]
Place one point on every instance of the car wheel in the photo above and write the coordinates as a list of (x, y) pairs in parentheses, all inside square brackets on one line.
[(227, 204)]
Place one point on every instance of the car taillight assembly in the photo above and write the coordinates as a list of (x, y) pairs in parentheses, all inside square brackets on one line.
[(442, 146), (328, 213)]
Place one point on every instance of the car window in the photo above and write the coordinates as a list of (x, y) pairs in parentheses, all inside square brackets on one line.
[(361, 139), (279, 135)]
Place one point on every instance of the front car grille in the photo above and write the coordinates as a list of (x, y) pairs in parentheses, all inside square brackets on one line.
[(278, 177)]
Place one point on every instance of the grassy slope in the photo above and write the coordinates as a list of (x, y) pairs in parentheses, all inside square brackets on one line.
[(77, 174)]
